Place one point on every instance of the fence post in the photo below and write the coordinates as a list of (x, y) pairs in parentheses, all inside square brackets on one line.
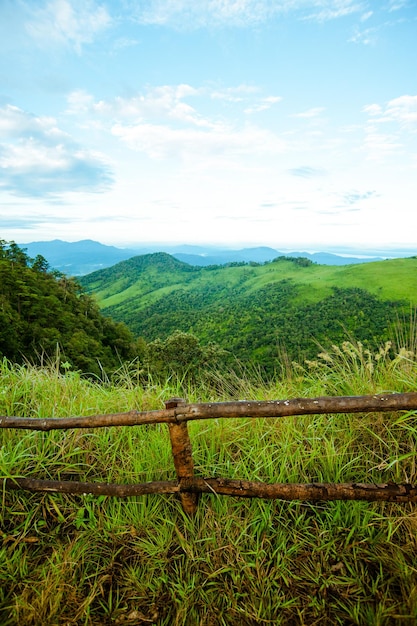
[(183, 460)]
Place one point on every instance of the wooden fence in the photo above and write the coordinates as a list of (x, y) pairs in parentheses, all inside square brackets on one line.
[(178, 412)]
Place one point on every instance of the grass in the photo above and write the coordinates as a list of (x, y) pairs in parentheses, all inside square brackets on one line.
[(86, 560)]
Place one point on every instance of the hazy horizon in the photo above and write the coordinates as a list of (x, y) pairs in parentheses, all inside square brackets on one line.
[(343, 251)]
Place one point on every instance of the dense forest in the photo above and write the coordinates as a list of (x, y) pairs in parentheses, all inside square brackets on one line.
[(260, 327), (43, 311)]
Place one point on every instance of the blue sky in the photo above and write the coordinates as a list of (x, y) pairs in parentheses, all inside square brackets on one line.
[(241, 122)]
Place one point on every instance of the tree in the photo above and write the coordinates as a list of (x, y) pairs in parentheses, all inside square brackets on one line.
[(40, 310), (17, 255), (40, 264), (182, 355)]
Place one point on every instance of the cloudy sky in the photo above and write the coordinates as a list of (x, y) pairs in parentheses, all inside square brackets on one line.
[(275, 122)]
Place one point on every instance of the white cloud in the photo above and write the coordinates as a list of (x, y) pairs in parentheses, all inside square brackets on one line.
[(79, 101), (263, 104), (125, 42), (323, 11), (305, 171), (401, 110), (391, 127), (39, 159), (310, 113), (372, 109), (234, 94), (367, 36), (68, 22), (395, 5), (161, 123), (189, 14), (15, 122), (160, 142), (379, 145), (164, 102)]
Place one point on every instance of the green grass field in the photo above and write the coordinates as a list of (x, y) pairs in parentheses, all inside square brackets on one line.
[(85, 560)]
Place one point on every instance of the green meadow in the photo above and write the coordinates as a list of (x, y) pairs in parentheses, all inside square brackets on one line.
[(86, 560)]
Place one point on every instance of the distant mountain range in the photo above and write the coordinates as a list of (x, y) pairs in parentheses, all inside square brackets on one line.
[(83, 257), (79, 257)]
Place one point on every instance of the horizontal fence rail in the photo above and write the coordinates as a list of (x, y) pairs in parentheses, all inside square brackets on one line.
[(229, 487), (177, 410), (177, 413)]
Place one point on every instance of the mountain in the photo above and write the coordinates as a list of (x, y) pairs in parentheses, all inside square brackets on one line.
[(264, 254), (221, 257), (79, 257), (83, 257), (154, 275), (252, 311)]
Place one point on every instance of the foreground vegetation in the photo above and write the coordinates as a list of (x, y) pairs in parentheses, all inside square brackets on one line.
[(95, 560)]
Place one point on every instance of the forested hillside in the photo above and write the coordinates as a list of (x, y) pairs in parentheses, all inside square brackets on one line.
[(258, 311), (42, 311)]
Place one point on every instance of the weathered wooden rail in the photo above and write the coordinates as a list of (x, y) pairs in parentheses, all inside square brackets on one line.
[(177, 413)]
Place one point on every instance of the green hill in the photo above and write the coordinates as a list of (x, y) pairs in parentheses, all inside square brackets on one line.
[(255, 310)]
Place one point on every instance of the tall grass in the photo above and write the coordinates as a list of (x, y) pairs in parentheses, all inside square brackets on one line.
[(86, 560)]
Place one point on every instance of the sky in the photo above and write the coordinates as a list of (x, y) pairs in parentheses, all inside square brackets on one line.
[(286, 123)]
